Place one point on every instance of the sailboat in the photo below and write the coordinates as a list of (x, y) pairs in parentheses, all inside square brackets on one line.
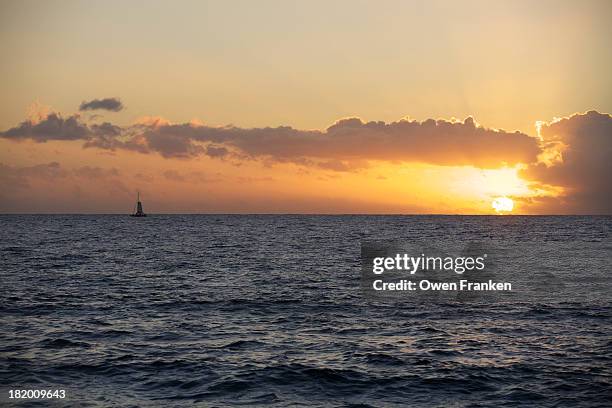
[(138, 212)]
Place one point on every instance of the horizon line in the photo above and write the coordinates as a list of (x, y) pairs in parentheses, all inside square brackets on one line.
[(320, 214)]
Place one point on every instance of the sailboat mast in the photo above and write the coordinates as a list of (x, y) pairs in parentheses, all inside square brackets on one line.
[(137, 199)]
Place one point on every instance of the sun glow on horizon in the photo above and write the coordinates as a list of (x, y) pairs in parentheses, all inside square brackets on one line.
[(502, 205)]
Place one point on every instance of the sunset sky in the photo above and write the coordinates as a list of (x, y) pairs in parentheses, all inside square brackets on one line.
[(306, 107)]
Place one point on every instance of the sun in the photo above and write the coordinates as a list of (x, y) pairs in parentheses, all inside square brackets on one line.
[(502, 205)]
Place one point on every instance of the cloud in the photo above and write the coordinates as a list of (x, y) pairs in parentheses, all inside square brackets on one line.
[(216, 151), (94, 173), (340, 166), (20, 177), (350, 142), (251, 180), (15, 178), (347, 145), (173, 175), (193, 176), (172, 145), (51, 187), (53, 127), (109, 104), (111, 141), (583, 143)]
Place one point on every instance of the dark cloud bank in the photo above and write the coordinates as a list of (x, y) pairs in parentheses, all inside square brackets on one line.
[(347, 141), (350, 144), (586, 168)]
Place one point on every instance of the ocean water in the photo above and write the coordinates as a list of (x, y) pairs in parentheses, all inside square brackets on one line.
[(218, 310)]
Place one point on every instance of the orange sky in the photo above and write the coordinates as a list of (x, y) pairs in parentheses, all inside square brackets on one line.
[(273, 107)]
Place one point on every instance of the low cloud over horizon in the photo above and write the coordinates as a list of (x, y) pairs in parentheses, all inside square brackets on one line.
[(346, 144), (570, 154)]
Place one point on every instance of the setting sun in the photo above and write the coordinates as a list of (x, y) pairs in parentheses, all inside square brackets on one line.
[(502, 204)]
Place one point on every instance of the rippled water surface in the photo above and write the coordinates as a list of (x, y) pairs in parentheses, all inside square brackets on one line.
[(267, 310)]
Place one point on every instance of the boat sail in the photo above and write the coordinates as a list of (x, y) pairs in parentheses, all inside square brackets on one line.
[(138, 212)]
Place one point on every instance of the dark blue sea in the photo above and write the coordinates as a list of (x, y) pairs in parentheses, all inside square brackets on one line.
[(225, 310)]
